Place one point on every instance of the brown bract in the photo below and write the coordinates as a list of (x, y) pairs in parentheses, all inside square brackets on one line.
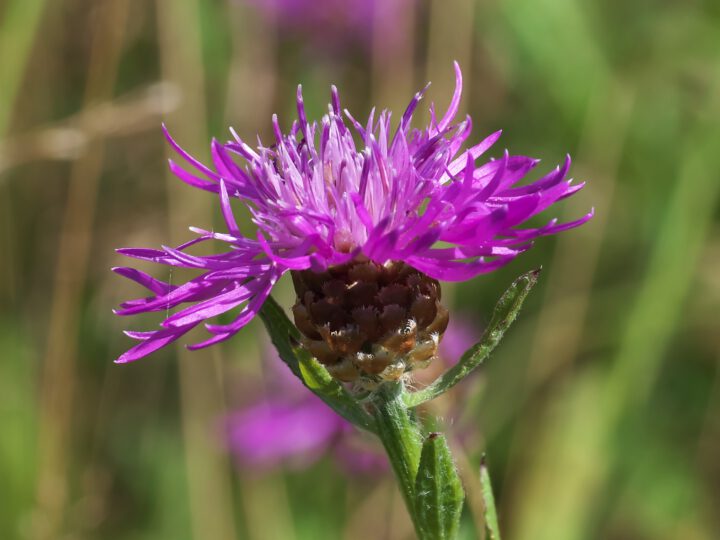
[(368, 322)]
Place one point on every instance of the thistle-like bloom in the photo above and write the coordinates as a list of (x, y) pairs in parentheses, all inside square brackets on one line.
[(363, 216)]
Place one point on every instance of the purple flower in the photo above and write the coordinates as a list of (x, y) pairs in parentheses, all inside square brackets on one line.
[(290, 425), (323, 21), (327, 193), (461, 334), (275, 431)]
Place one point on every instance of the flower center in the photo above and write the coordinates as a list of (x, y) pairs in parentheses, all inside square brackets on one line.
[(369, 322)]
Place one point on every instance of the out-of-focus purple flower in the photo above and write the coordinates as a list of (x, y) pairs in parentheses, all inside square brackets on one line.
[(278, 429), (461, 334), (323, 22), (292, 426), (327, 193)]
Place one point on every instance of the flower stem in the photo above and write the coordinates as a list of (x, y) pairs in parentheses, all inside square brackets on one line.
[(402, 440)]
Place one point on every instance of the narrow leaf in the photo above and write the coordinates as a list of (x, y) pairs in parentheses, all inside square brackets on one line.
[(439, 494), (505, 313), (491, 519), (285, 337)]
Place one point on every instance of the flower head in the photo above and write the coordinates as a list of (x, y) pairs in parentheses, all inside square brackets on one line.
[(338, 192)]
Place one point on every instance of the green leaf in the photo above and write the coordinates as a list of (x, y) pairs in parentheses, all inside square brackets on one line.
[(491, 519), (286, 339), (439, 494), (504, 315)]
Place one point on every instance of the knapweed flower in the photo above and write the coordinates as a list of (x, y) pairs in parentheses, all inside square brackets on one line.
[(287, 425), (366, 218)]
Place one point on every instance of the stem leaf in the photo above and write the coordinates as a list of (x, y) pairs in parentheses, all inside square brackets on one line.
[(285, 337), (491, 519), (505, 313), (439, 494)]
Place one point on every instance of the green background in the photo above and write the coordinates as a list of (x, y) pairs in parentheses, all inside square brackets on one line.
[(600, 412)]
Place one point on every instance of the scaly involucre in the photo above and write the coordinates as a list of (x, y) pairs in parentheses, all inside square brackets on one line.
[(326, 193)]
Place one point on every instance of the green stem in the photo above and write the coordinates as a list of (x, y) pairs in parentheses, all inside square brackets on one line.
[(401, 438)]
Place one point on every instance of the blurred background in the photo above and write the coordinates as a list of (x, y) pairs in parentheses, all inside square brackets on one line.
[(599, 414)]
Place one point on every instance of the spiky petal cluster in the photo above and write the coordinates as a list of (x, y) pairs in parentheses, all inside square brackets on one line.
[(327, 192)]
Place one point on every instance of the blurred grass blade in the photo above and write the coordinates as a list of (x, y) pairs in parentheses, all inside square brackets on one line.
[(18, 26), (439, 494), (491, 519), (284, 336), (505, 313), (19, 21)]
